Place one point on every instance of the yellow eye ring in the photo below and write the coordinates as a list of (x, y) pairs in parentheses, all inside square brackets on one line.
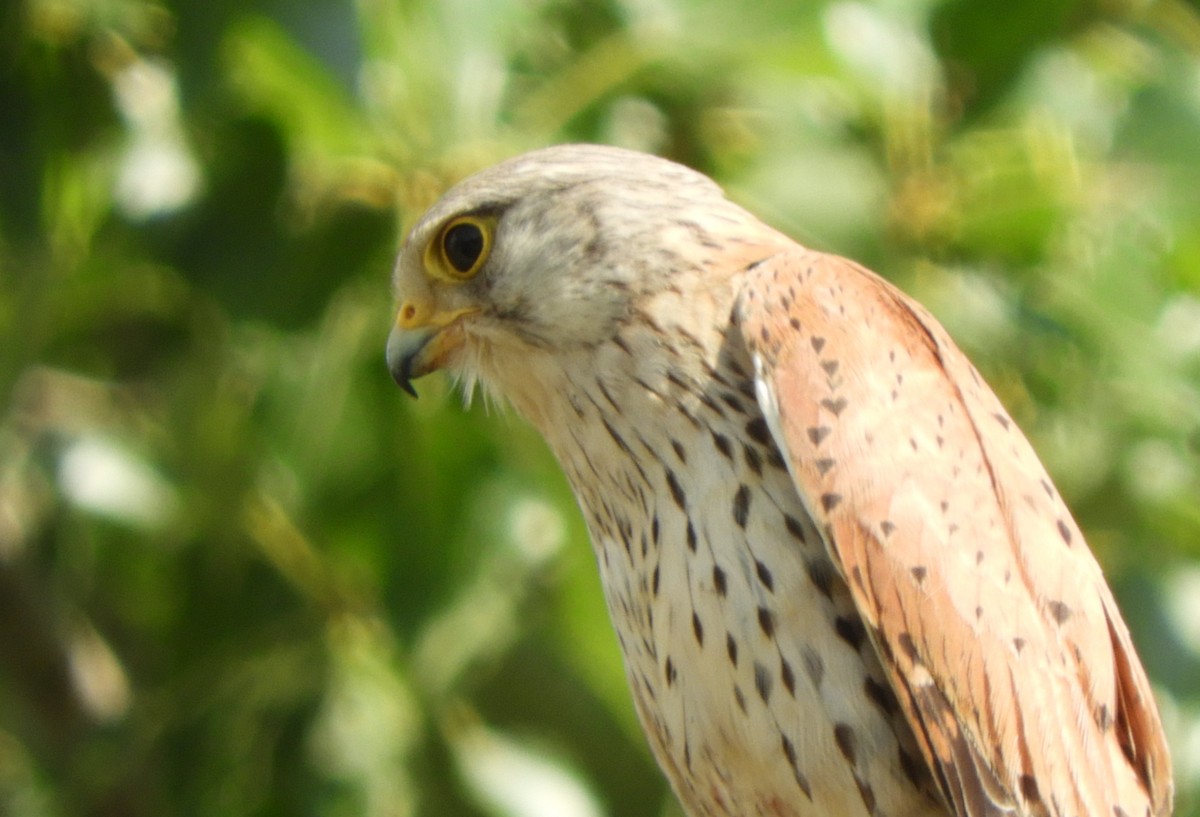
[(461, 248)]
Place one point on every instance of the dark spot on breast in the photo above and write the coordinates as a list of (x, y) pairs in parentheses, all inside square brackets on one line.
[(824, 465), (617, 438), (1001, 419), (669, 671), (731, 648), (787, 676), (794, 527), (820, 573), (722, 444), (789, 751), (764, 575), (741, 506), (830, 501), (740, 698), (1019, 644), (813, 665), (776, 459), (762, 681), (818, 344), (795, 323), (908, 646), (690, 535), (733, 402), (759, 432), (654, 581), (719, 581), (843, 735), (918, 573), (766, 622), (697, 628), (887, 527), (676, 490), (679, 451), (830, 367), (850, 630), (753, 460), (881, 695)]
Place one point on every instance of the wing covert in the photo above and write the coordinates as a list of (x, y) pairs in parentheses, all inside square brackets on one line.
[(990, 615)]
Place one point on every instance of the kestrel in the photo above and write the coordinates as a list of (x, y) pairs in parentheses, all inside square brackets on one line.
[(841, 580)]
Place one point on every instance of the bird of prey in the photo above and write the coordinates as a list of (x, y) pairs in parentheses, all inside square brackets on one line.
[(841, 580)]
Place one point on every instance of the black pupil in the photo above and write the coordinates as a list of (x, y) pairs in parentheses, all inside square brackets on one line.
[(463, 244)]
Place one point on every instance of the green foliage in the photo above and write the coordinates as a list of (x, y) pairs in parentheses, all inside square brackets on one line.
[(241, 573)]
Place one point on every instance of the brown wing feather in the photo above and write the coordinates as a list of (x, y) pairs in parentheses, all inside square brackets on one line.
[(1001, 638)]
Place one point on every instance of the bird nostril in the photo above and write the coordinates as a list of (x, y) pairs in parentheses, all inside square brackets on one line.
[(411, 315)]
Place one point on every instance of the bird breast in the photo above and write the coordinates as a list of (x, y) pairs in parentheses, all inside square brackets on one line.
[(749, 665)]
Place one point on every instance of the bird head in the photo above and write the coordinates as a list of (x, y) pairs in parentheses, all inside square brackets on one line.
[(544, 254)]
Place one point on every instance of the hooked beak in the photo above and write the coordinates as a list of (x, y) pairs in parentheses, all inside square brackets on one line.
[(404, 358), (417, 347)]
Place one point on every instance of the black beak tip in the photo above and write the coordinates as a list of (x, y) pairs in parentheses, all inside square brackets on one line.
[(400, 373), (404, 383), (403, 359), (401, 370)]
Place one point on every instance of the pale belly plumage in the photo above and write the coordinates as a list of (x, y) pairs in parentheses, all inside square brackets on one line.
[(750, 668)]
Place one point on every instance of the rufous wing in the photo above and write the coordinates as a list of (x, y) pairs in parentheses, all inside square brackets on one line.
[(990, 615)]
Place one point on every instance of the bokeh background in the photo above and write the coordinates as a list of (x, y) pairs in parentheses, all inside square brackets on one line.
[(242, 574)]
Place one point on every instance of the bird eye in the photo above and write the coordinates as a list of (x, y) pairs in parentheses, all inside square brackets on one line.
[(464, 247)]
